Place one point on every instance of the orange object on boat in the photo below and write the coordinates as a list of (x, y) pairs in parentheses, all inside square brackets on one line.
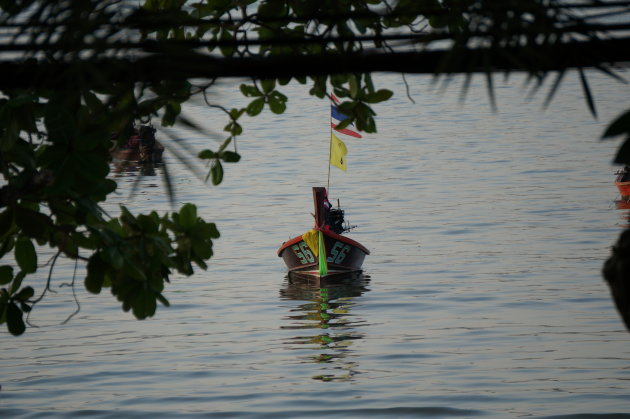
[(622, 181)]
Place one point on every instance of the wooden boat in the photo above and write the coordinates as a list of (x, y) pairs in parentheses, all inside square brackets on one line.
[(141, 146), (622, 181), (323, 252)]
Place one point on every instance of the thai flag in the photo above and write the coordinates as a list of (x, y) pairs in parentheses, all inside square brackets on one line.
[(337, 117)]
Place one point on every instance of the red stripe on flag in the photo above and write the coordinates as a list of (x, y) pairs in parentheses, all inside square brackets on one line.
[(347, 131)]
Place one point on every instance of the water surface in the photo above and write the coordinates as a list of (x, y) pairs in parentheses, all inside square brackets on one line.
[(482, 296)]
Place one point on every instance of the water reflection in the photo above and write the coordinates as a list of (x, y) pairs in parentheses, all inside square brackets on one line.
[(624, 205), (327, 312), (122, 168)]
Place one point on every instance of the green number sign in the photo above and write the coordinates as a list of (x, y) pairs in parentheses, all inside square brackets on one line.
[(303, 253)]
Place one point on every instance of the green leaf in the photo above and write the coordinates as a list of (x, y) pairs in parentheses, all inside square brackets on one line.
[(319, 86), (230, 156), (208, 230), (95, 276), (202, 249), (256, 106), (358, 23), (207, 154), (236, 113), (226, 36), (3, 311), (268, 85), (6, 274), (24, 294), (162, 300), (623, 154), (32, 223), (171, 110), (17, 282), (91, 166), (156, 283), (371, 125), (368, 83), (225, 144), (115, 257), (59, 122), (15, 323), (217, 172), (213, 232), (234, 128), (188, 216), (10, 135), (147, 224), (620, 126), (135, 271), (343, 124), (6, 221), (6, 246), (273, 9), (93, 102), (379, 96), (94, 283), (354, 86), (26, 256), (249, 91), (103, 188), (144, 305), (276, 105)]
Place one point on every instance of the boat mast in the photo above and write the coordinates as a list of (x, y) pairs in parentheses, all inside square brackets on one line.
[(329, 150), (319, 195)]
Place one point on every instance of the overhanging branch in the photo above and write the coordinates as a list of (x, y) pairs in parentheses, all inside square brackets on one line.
[(179, 66)]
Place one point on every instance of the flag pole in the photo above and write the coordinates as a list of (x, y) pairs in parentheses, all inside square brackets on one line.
[(329, 152)]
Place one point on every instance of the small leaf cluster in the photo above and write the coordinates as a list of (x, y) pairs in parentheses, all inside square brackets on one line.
[(215, 159), (361, 92), (226, 27), (136, 255), (265, 94), (54, 159), (14, 301)]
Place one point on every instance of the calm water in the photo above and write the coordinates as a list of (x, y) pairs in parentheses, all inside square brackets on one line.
[(482, 296)]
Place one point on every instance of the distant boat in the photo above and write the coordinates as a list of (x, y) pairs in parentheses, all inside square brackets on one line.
[(141, 146), (622, 181), (323, 252)]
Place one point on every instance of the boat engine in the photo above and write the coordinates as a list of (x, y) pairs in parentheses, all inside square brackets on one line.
[(334, 218)]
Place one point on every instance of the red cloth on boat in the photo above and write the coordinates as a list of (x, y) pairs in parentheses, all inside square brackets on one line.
[(133, 142)]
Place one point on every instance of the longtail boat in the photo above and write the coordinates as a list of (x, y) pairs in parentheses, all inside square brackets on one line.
[(622, 181), (323, 252), (141, 146)]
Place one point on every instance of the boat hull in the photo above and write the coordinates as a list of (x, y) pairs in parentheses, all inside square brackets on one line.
[(134, 154), (343, 255), (624, 190)]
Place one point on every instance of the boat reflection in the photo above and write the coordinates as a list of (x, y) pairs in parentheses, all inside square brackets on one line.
[(326, 311), (121, 168), (625, 213)]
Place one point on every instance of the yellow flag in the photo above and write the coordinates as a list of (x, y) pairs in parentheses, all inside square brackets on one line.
[(338, 152), (311, 238)]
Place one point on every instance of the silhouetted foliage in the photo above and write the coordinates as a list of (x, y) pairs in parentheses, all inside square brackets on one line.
[(617, 274)]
